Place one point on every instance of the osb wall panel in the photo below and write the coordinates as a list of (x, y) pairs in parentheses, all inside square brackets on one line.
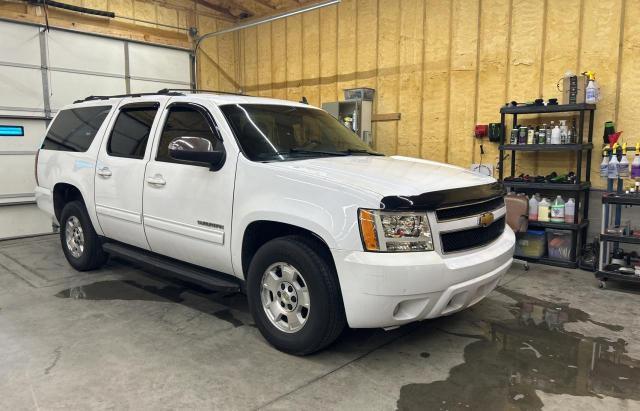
[(446, 65), (217, 57)]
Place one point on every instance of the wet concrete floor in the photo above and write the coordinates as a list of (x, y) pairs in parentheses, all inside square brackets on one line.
[(124, 338)]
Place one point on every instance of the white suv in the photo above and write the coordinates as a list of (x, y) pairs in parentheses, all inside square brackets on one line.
[(276, 199)]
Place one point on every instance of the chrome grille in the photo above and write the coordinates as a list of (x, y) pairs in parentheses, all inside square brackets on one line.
[(469, 209)]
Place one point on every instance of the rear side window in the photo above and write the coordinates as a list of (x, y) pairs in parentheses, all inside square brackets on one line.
[(75, 129), (131, 131)]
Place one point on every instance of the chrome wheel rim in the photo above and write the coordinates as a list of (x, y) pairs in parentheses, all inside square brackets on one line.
[(285, 297), (74, 237)]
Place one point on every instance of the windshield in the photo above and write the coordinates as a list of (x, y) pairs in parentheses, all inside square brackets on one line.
[(274, 132)]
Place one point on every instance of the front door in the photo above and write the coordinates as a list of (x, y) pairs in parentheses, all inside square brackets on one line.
[(187, 207), (120, 172)]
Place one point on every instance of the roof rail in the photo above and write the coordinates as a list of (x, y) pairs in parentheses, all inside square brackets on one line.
[(163, 92), (190, 90)]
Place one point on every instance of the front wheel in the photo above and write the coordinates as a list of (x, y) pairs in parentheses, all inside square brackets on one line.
[(294, 296), (80, 243)]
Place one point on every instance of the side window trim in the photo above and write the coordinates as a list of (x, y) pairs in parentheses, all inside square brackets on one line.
[(199, 108), (129, 106)]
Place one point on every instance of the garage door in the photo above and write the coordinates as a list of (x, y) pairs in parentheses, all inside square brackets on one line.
[(42, 71)]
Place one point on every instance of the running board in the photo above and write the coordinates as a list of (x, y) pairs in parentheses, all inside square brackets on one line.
[(208, 278)]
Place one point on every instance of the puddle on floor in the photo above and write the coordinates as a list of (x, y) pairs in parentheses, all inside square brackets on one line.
[(512, 359), (190, 295)]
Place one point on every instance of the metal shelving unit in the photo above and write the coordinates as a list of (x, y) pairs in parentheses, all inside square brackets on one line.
[(582, 150), (608, 200)]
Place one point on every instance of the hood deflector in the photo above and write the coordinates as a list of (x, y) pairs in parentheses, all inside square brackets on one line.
[(443, 199)]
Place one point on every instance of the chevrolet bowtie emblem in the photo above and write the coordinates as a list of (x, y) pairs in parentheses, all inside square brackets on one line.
[(485, 219)]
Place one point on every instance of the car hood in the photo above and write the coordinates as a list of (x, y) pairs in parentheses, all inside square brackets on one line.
[(387, 176)]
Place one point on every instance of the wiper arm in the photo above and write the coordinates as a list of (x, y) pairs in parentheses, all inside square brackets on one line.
[(361, 151), (321, 152)]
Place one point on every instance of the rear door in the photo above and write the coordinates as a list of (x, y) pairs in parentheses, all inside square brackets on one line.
[(187, 207), (120, 170)]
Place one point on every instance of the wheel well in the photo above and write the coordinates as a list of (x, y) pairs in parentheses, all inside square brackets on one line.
[(62, 194), (260, 232)]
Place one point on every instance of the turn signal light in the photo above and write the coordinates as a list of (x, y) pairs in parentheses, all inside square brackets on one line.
[(368, 230)]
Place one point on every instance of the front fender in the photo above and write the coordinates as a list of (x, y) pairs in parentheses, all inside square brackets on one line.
[(270, 193)]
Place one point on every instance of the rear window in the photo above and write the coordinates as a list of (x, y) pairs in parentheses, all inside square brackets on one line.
[(75, 129)]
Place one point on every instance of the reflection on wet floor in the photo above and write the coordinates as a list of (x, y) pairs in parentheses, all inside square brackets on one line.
[(512, 359), (219, 305), (505, 365)]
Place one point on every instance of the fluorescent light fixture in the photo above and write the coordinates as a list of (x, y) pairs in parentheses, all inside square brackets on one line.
[(11, 131)]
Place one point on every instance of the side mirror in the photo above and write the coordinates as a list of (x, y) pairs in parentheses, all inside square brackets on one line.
[(196, 149)]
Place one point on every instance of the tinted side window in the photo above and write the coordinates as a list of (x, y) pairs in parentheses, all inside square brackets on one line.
[(75, 129), (183, 121), (131, 131)]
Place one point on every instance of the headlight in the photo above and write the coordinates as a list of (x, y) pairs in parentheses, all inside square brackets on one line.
[(394, 231)]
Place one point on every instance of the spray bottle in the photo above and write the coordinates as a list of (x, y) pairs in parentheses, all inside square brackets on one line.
[(635, 166), (623, 166), (604, 165), (592, 88), (612, 169)]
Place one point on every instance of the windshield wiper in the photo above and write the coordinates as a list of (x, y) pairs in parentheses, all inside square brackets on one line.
[(361, 151), (294, 150)]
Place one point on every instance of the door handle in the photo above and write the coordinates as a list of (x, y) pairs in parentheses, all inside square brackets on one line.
[(104, 172), (156, 180)]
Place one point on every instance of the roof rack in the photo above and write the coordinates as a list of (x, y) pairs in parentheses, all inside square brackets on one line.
[(163, 92), (190, 90)]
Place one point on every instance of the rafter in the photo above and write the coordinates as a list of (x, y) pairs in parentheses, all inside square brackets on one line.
[(228, 8)]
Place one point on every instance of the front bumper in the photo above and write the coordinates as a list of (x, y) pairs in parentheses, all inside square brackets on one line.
[(391, 289)]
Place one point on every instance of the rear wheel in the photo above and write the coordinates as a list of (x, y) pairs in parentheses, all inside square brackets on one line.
[(80, 243), (294, 296)]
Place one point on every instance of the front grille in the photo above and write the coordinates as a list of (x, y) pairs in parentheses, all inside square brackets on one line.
[(471, 238), (468, 210)]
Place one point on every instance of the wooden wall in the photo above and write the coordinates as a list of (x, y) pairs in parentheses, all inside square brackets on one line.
[(449, 64), (217, 58)]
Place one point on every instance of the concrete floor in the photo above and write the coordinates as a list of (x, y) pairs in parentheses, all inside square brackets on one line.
[(120, 338)]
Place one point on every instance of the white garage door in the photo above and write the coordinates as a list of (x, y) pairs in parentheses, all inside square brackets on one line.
[(42, 71)]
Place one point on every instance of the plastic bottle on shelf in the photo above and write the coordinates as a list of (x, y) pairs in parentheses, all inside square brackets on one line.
[(604, 165), (522, 135), (635, 165), (556, 135), (623, 165), (543, 210), (569, 211), (542, 134), (564, 131), (531, 133), (557, 210), (548, 134), (592, 91), (612, 169), (533, 208)]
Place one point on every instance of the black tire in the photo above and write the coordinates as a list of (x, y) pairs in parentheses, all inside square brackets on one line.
[(326, 314), (92, 256)]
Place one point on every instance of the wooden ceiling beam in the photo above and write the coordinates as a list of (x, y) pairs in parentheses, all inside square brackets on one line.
[(266, 3), (228, 8)]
